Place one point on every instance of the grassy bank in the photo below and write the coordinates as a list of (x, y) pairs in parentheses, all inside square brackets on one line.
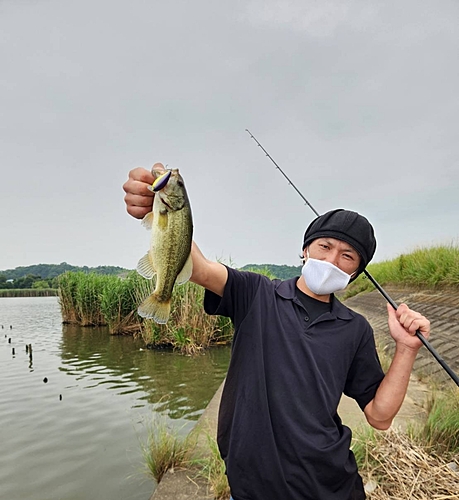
[(432, 267)]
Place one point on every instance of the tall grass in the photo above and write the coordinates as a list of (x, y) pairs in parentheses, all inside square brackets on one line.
[(68, 283), (189, 329), (424, 267), (166, 449), (80, 298), (440, 431), (88, 300), (91, 299), (364, 439), (118, 303), (96, 299)]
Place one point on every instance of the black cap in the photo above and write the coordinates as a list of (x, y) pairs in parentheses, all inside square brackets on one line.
[(348, 226)]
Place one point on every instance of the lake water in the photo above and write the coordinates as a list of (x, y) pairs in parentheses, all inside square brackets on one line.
[(73, 418)]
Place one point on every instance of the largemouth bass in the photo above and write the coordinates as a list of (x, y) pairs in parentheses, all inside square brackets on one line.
[(169, 256)]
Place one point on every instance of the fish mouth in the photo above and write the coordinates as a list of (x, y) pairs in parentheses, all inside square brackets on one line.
[(165, 203)]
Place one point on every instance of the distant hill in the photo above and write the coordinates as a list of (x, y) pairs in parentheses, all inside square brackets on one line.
[(282, 272), (50, 271)]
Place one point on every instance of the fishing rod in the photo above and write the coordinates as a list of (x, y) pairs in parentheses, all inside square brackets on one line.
[(421, 337)]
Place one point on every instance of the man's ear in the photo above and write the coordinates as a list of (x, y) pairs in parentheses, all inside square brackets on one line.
[(303, 256)]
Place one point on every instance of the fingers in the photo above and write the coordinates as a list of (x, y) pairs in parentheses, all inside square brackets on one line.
[(158, 167), (412, 320), (138, 206), (138, 181), (139, 198)]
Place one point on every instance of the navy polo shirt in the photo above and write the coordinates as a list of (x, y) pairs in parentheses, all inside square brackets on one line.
[(279, 432)]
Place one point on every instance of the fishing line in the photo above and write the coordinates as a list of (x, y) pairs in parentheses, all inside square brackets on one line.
[(421, 337)]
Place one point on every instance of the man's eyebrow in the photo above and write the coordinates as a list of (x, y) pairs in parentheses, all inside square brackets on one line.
[(350, 248)]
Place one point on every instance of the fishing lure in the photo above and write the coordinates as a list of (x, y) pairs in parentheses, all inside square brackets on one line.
[(160, 182)]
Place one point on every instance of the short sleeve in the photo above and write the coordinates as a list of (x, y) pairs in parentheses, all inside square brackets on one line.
[(240, 290)]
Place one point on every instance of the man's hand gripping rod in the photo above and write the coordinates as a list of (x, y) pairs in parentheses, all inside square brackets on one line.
[(421, 337)]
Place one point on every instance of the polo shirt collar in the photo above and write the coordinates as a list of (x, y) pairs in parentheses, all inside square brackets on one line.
[(286, 290)]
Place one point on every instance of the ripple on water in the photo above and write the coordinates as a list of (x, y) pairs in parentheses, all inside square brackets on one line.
[(87, 444)]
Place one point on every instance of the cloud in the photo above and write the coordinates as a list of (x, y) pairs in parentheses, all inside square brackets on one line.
[(315, 18), (356, 101)]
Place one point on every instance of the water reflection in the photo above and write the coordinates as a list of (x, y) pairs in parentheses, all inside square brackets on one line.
[(178, 385), (77, 435)]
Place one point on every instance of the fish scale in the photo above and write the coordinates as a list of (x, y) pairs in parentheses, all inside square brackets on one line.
[(169, 255)]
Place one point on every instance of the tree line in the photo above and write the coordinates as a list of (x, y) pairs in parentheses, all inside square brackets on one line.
[(282, 272), (41, 276), (45, 275), (27, 281)]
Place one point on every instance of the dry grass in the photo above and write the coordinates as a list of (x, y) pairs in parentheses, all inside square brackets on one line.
[(399, 469)]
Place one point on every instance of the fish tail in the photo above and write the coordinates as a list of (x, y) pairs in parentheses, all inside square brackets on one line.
[(152, 308)]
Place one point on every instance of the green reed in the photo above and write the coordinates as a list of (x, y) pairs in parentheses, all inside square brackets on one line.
[(96, 299), (189, 329), (91, 299), (67, 283), (118, 303), (88, 300)]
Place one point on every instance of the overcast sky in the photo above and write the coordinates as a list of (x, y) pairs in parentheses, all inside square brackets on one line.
[(357, 101)]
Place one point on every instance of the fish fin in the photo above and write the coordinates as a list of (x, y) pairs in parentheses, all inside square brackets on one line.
[(185, 274), (147, 221), (145, 267), (150, 308)]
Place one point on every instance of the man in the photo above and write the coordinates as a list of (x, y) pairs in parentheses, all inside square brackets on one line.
[(296, 350)]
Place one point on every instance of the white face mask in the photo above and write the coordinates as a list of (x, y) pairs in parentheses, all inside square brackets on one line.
[(323, 278)]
